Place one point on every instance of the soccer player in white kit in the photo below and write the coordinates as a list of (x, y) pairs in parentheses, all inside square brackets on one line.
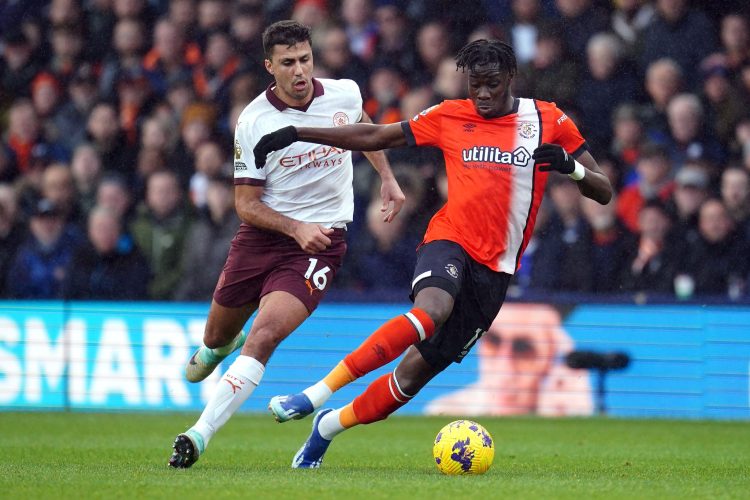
[(294, 212)]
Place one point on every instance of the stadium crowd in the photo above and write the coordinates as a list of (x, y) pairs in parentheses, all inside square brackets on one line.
[(117, 120)]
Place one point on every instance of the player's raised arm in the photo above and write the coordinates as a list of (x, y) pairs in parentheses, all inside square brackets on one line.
[(357, 137)]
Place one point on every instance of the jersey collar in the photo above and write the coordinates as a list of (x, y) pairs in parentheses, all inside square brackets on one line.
[(281, 105)]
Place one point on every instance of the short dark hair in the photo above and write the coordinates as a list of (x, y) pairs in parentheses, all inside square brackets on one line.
[(286, 33), (483, 52)]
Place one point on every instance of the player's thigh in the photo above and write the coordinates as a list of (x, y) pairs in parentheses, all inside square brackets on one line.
[(440, 266), (308, 277), (224, 323), (279, 314), (477, 304)]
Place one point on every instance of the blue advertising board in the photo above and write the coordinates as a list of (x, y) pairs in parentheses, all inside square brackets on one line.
[(686, 361)]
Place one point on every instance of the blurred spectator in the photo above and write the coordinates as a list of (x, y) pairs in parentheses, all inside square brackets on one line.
[(610, 244), (395, 42), (100, 21), (113, 194), (59, 188), (726, 105), (72, 116), (25, 136), (210, 162), (581, 19), (18, 66), (563, 260), (129, 43), (64, 12), (207, 242), (711, 257), (104, 133), (628, 138), (42, 261), (681, 33), (101, 269), (383, 255), (735, 44), (67, 51), (654, 182), (45, 95), (184, 15), (213, 17), (338, 59), (197, 126), (12, 232), (735, 194), (551, 75), (608, 83), (433, 45), (212, 78), (523, 28), (247, 25), (133, 101), (689, 138), (629, 21), (170, 58), (313, 13), (159, 230), (691, 190), (663, 82), (652, 262), (387, 86), (449, 82), (360, 28), (86, 167)]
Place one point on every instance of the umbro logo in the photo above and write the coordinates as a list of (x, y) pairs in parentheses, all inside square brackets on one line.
[(469, 127)]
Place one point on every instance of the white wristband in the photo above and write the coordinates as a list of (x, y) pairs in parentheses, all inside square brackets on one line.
[(578, 173)]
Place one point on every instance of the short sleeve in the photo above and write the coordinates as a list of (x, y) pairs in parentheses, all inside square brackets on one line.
[(245, 171), (566, 134), (424, 128)]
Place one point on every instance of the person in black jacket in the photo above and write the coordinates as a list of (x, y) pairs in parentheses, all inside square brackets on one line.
[(105, 269)]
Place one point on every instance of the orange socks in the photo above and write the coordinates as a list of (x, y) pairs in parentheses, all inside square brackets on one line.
[(380, 399), (388, 342), (338, 377)]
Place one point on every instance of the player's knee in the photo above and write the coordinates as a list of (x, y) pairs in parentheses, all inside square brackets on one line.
[(263, 341), (437, 303)]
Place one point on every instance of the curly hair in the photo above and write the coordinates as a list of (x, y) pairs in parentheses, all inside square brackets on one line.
[(487, 52)]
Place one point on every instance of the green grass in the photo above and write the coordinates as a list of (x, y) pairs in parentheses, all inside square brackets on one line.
[(81, 455)]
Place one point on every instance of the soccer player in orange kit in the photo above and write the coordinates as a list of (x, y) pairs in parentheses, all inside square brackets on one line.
[(498, 152)]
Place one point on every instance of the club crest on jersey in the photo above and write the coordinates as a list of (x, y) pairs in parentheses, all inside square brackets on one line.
[(340, 119), (490, 154), (527, 130), (452, 270), (237, 150)]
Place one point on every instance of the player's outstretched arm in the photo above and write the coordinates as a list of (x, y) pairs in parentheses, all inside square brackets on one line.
[(357, 137), (592, 183)]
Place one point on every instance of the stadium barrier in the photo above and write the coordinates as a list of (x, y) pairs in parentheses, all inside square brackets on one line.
[(686, 361)]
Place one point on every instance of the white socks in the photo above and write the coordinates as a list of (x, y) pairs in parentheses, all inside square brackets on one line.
[(318, 394), (237, 384), (330, 425)]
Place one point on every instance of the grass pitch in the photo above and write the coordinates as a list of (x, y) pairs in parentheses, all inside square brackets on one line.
[(85, 455)]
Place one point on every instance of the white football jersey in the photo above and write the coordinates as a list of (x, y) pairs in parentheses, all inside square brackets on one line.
[(307, 182)]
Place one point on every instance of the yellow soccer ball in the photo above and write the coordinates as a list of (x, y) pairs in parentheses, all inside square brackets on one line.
[(463, 447)]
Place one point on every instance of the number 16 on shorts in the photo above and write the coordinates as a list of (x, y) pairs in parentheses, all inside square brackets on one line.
[(318, 278)]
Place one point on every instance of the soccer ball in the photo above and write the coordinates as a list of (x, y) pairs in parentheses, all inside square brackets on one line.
[(463, 447)]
